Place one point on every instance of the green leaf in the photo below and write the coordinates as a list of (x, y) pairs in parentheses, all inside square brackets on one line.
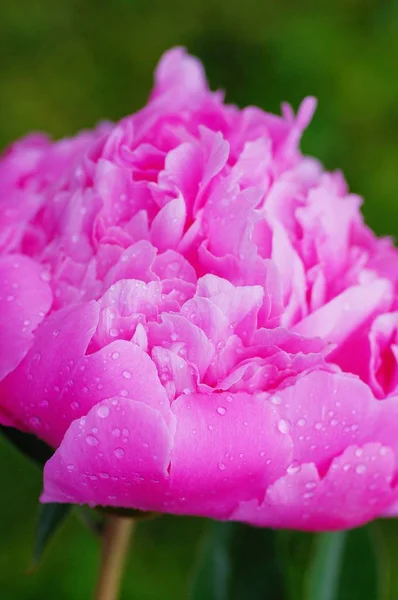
[(345, 567), (295, 549), (237, 561), (29, 445), (51, 517), (326, 566)]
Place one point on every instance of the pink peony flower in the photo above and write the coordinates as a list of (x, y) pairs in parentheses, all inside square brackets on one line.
[(196, 317)]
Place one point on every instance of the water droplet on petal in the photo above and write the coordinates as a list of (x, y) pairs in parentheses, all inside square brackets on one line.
[(221, 410), (310, 485), (360, 469), (118, 452), (92, 440), (276, 400), (221, 466), (283, 426), (295, 467), (127, 374), (103, 412)]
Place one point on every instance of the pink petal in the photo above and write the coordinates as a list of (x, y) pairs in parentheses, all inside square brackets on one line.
[(227, 448), (326, 412), (116, 456), (120, 369), (31, 393), (175, 331), (356, 488), (168, 225), (25, 297)]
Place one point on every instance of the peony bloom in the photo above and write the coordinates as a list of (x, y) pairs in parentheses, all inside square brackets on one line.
[(195, 316)]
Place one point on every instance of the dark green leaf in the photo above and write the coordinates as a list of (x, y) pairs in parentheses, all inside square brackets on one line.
[(51, 517), (237, 561), (360, 575), (345, 567), (28, 445), (323, 580), (295, 550)]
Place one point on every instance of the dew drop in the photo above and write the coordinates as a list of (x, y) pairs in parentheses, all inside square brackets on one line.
[(310, 485), (103, 412), (360, 469), (295, 467), (283, 426), (221, 410), (92, 440), (115, 355), (118, 452), (276, 400), (221, 466), (127, 374)]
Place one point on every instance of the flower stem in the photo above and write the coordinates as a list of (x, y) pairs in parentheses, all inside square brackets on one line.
[(115, 544)]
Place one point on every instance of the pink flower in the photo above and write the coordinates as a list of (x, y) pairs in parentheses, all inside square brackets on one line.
[(196, 317)]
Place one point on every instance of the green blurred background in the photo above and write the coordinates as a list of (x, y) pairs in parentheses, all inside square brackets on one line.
[(65, 65)]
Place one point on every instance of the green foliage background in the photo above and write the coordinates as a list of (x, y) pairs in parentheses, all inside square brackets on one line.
[(65, 65)]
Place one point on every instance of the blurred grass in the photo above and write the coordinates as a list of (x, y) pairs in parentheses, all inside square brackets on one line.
[(66, 65)]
